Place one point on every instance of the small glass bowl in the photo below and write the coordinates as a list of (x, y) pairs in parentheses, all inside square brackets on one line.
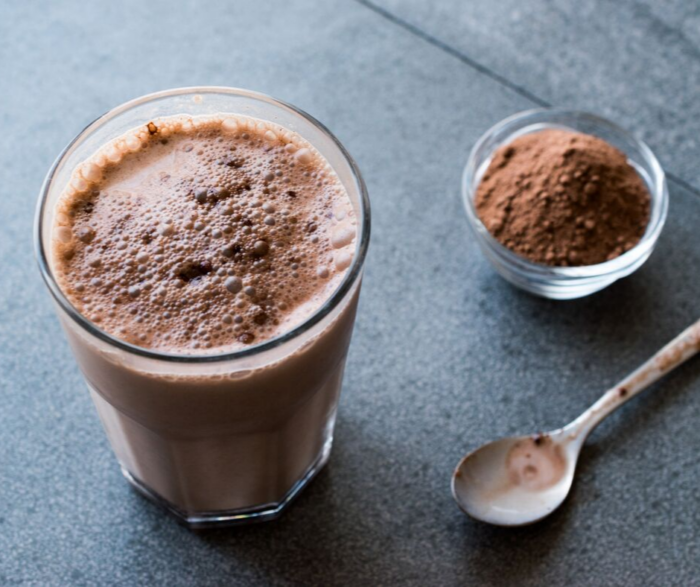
[(564, 283)]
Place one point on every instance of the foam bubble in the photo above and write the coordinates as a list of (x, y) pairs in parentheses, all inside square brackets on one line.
[(92, 172), (342, 259), (64, 234), (343, 235), (303, 156), (132, 143), (78, 183), (166, 230), (233, 285), (229, 124)]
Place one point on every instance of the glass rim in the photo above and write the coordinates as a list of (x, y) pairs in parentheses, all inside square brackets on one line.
[(659, 199), (351, 276)]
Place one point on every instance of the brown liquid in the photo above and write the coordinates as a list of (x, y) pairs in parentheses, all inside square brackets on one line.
[(130, 255), (535, 463), (215, 234)]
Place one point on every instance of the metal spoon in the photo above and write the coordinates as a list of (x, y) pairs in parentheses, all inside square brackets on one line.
[(519, 480)]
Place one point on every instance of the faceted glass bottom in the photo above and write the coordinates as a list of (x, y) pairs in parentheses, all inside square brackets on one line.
[(223, 518)]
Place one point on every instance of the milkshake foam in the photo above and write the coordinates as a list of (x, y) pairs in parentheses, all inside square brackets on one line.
[(202, 234)]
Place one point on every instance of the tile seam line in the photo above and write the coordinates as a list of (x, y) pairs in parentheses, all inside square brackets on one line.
[(503, 81)]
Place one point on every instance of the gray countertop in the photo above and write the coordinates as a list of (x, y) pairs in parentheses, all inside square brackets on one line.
[(445, 354)]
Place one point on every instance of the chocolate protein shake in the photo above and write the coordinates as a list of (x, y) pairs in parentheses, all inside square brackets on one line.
[(213, 248)]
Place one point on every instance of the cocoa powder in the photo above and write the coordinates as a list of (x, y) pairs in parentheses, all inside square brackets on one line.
[(563, 198)]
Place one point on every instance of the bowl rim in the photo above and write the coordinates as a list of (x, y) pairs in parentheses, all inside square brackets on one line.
[(471, 177)]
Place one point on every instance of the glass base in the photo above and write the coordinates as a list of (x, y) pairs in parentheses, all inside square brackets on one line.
[(223, 518)]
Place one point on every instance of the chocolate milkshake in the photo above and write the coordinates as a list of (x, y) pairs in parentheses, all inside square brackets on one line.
[(214, 258)]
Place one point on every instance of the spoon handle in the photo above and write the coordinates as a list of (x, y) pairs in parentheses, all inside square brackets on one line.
[(676, 352)]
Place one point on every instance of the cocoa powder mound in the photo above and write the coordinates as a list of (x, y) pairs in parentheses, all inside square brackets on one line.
[(563, 198)]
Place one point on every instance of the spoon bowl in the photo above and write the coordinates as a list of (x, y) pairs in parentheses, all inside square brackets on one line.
[(515, 481)]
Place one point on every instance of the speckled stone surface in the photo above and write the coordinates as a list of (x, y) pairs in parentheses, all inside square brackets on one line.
[(637, 62), (445, 355)]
